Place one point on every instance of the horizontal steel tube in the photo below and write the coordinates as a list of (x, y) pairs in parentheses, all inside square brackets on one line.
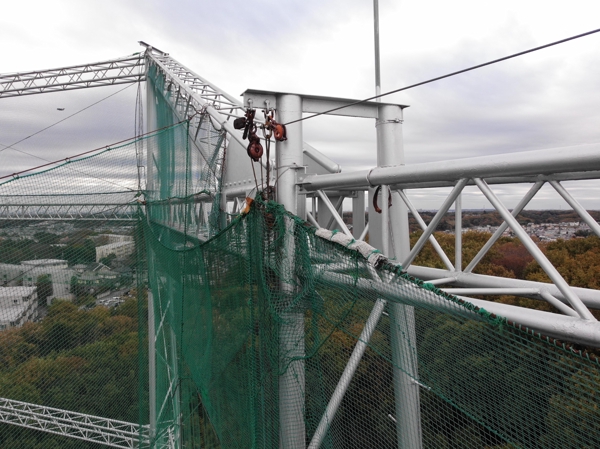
[(536, 252), (569, 328), (563, 327), (563, 308), (589, 297), (492, 291), (530, 163)]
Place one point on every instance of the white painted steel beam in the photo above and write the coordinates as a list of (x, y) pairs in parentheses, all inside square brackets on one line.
[(126, 70), (458, 233), (434, 222), (415, 213), (347, 375), (504, 226), (499, 179), (394, 236), (332, 209), (109, 432), (536, 252), (590, 297), (567, 328), (198, 93), (581, 158), (59, 212), (585, 216), (516, 292), (315, 104), (289, 157)]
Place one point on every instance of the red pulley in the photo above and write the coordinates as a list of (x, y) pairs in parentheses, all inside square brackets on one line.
[(279, 131), (255, 150)]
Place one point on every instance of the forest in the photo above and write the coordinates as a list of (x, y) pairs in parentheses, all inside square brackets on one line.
[(87, 360), (476, 374), (74, 359), (577, 260)]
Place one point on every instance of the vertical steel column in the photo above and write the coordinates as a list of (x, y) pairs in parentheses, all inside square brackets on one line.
[(358, 214), (390, 151), (151, 367), (292, 433), (151, 125), (458, 233), (377, 59)]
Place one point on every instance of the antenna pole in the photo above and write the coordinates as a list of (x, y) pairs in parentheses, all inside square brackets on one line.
[(377, 64)]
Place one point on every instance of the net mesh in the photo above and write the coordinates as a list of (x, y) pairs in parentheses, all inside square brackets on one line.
[(70, 302), (264, 332), (267, 301)]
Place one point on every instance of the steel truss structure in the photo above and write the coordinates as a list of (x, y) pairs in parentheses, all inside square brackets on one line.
[(304, 173), (125, 70), (189, 93), (101, 212), (96, 429)]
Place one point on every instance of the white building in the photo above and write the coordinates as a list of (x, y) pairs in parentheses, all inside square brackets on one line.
[(17, 306), (10, 274), (56, 269), (116, 238), (119, 249)]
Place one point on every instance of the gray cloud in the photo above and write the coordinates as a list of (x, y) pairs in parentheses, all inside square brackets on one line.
[(548, 99)]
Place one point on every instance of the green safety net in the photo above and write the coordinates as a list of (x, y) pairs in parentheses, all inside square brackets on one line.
[(255, 329), (73, 291), (264, 331)]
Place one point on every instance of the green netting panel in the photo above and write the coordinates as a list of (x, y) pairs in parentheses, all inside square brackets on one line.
[(73, 298), (267, 303), (184, 171)]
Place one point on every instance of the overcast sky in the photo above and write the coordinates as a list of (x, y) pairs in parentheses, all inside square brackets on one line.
[(325, 47)]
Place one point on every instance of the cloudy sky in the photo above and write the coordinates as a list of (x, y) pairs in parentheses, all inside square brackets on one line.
[(543, 100)]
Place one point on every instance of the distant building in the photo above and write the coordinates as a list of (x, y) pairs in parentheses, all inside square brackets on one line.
[(10, 274), (45, 263), (57, 271), (17, 306), (116, 238), (119, 249), (98, 278)]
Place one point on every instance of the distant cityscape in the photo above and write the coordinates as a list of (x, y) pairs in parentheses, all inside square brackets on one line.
[(90, 268), (44, 261), (545, 232)]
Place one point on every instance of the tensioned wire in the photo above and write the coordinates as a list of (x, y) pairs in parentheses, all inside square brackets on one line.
[(458, 72), (84, 156), (11, 146)]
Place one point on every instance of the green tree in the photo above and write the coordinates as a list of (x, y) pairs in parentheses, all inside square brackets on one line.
[(44, 288), (108, 260), (81, 252)]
